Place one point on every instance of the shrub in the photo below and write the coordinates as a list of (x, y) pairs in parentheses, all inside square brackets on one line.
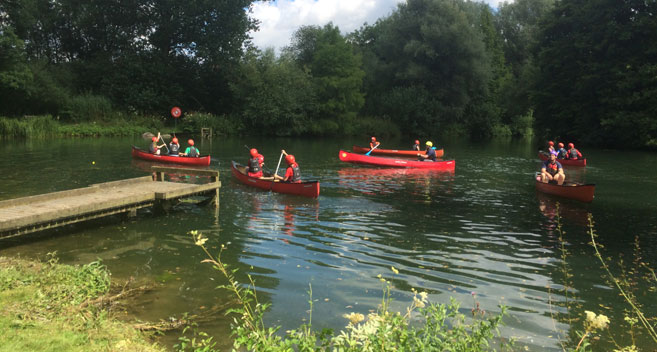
[(87, 107), (192, 122), (522, 125), (29, 126)]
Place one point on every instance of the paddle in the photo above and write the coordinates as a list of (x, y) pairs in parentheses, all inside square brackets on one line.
[(163, 142), (376, 146), (279, 163), (149, 136)]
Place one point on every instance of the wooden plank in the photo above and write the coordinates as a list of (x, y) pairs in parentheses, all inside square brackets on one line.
[(180, 170), (7, 233), (47, 196), (36, 213), (76, 210), (187, 191), (124, 182)]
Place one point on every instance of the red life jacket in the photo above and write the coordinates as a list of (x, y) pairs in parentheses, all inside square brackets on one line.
[(574, 154), (296, 173), (552, 169)]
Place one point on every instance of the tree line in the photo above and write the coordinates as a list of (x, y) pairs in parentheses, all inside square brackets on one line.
[(585, 71)]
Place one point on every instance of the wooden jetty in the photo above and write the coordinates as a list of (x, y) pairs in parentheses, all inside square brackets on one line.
[(46, 211)]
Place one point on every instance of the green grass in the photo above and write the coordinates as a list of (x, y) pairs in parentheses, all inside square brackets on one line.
[(47, 126), (44, 307)]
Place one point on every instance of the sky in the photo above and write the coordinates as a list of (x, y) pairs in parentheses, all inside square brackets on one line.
[(279, 19)]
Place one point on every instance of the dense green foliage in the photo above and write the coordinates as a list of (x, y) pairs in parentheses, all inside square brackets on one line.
[(581, 71), (598, 72)]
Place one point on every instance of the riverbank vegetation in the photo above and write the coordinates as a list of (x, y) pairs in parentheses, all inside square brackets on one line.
[(590, 330), (442, 327), (579, 73), (53, 307)]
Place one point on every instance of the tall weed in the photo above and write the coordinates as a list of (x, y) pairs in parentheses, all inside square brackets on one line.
[(444, 328)]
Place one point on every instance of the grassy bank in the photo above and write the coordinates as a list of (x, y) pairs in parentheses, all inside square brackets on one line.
[(47, 126), (54, 307), (120, 124)]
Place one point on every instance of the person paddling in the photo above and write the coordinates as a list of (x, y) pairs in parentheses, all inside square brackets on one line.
[(292, 173), (191, 150), (374, 143), (550, 147), (154, 148), (416, 146), (174, 147), (256, 162), (430, 153), (552, 170)]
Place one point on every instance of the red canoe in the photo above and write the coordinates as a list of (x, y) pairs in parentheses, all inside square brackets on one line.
[(306, 189), (393, 162), (577, 162), (395, 152), (203, 160), (577, 191)]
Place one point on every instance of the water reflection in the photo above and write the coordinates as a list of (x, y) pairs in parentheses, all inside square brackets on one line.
[(573, 211), (371, 181)]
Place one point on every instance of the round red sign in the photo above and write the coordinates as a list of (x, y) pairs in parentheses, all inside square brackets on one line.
[(176, 112)]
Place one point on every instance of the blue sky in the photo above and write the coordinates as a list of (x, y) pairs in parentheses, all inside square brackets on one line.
[(279, 19)]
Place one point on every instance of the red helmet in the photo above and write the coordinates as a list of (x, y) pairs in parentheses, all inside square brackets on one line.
[(373, 139), (253, 152), (175, 140), (154, 139), (417, 141), (560, 145), (570, 145), (289, 159), (190, 142), (551, 143)]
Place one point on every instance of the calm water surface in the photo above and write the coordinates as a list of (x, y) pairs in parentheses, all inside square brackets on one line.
[(482, 230)]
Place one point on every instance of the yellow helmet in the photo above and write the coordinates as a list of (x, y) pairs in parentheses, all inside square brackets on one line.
[(429, 144)]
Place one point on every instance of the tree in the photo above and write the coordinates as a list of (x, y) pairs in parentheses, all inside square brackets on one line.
[(275, 95), (518, 24), (429, 47), (143, 53), (597, 82), (335, 70), (16, 78)]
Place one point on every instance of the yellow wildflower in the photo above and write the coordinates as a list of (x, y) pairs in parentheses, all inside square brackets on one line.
[(424, 296), (596, 322), (200, 240), (418, 302), (394, 270), (354, 318)]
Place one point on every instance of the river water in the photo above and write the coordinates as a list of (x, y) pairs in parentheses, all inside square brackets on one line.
[(481, 230)]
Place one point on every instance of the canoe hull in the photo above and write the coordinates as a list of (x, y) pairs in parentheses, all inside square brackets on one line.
[(395, 152), (566, 162), (580, 192), (306, 189), (394, 162), (181, 160)]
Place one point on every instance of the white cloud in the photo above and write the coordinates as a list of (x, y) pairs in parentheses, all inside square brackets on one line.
[(280, 19)]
